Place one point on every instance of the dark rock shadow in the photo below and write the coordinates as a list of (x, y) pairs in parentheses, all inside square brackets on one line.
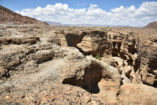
[(90, 80)]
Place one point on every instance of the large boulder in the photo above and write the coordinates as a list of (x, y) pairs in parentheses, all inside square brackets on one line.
[(137, 94)]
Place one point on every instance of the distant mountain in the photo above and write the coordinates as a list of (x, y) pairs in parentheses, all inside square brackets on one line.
[(84, 25), (54, 23), (152, 25), (96, 25), (9, 17)]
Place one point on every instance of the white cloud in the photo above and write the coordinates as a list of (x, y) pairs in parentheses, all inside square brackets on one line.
[(94, 15)]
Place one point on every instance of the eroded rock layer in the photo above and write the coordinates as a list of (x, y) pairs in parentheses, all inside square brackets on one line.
[(45, 65)]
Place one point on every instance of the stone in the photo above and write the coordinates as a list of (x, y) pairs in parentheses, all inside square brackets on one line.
[(44, 55), (2, 72), (7, 97), (90, 66), (95, 42), (137, 94)]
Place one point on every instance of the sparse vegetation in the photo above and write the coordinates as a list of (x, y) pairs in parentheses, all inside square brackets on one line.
[(98, 56)]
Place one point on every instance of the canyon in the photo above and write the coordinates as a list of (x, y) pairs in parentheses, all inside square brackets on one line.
[(42, 64)]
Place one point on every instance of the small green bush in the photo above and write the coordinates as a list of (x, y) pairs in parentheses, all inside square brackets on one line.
[(98, 56)]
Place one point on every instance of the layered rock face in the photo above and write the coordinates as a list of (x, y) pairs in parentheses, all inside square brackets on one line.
[(134, 58), (40, 65), (148, 61)]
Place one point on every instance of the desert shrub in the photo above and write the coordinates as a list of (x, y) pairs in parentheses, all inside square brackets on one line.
[(98, 56)]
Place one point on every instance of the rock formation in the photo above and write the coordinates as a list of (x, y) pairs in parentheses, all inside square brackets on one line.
[(40, 65)]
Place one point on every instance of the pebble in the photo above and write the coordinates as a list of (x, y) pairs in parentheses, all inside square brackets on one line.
[(7, 97)]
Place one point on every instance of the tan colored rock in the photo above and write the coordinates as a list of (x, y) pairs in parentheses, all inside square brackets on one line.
[(95, 42), (57, 70), (61, 94), (30, 67), (148, 60), (87, 45), (72, 38), (20, 40), (44, 55), (108, 91), (137, 94), (7, 97), (2, 72)]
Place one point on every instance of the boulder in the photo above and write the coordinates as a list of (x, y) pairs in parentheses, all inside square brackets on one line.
[(137, 94), (43, 55)]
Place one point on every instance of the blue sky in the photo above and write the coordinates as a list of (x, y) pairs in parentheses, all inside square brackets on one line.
[(103, 12), (103, 4)]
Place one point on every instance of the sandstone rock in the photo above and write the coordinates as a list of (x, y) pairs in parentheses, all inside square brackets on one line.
[(73, 38), (30, 66), (87, 72), (44, 55), (95, 42), (148, 61), (55, 40), (86, 45), (2, 72), (108, 91), (62, 94), (137, 94), (7, 97), (25, 40), (63, 68)]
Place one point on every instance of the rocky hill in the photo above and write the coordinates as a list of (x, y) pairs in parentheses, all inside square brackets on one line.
[(9, 17), (152, 25)]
